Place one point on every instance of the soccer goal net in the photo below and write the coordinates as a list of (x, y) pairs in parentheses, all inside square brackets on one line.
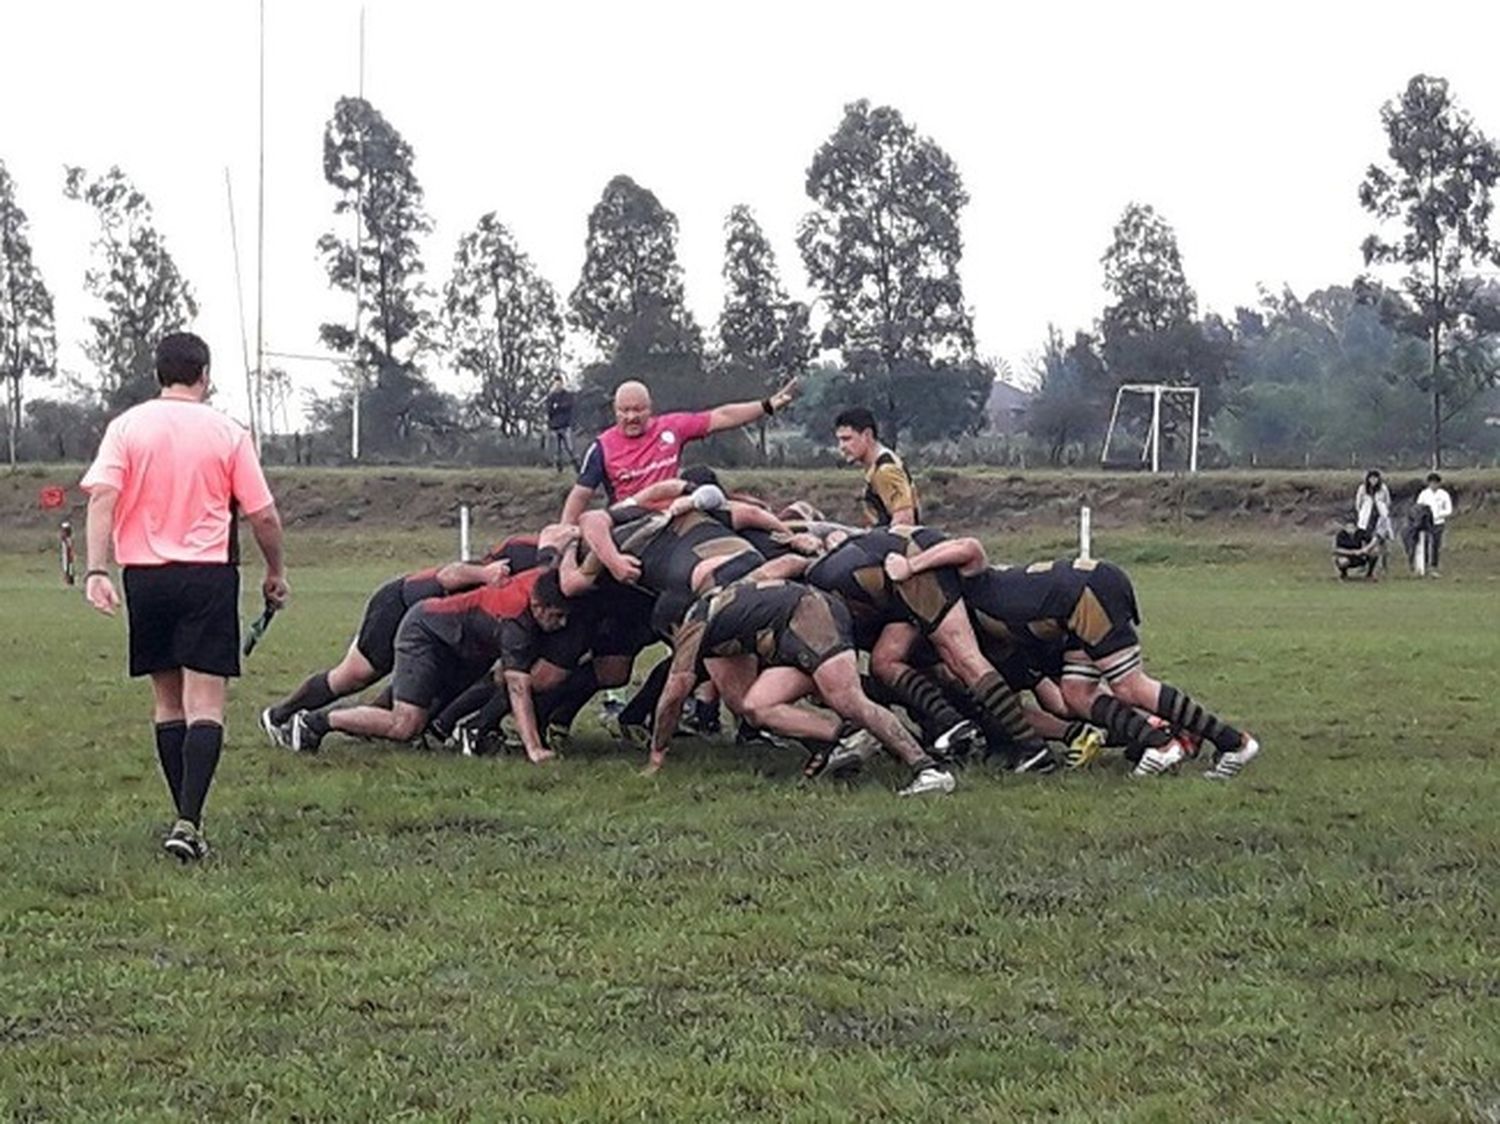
[(1162, 420)]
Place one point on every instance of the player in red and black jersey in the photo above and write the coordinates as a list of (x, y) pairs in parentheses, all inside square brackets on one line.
[(373, 652), (446, 643), (1089, 607)]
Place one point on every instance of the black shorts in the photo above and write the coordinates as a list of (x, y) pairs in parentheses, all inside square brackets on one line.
[(819, 630), (184, 615), (624, 624), (1104, 618), (925, 600), (428, 672), (376, 639)]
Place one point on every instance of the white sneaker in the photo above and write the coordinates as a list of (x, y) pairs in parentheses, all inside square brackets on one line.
[(1228, 765), (273, 731), (303, 740), (957, 739), (1160, 760), (930, 779)]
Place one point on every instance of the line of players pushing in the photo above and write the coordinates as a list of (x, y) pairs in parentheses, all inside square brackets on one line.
[(766, 610)]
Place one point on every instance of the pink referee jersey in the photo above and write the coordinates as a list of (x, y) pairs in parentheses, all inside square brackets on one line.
[(177, 466), (626, 465)]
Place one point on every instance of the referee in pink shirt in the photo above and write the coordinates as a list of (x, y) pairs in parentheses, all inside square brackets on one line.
[(641, 449), (170, 477)]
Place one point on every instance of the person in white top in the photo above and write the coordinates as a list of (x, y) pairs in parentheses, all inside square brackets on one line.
[(1372, 512), (1436, 499)]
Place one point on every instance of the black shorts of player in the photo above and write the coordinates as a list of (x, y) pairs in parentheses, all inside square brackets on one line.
[(376, 639), (428, 672), (819, 629), (787, 625), (184, 615), (926, 599), (1103, 620)]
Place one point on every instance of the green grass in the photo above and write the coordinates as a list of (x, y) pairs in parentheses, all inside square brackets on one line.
[(382, 934)]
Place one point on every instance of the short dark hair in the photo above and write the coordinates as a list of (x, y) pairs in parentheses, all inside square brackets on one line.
[(699, 475), (1434, 478), (857, 418), (181, 359), (548, 591)]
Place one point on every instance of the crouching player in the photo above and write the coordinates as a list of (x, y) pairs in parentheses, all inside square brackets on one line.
[(1091, 607), (767, 644), (372, 653), (443, 645)]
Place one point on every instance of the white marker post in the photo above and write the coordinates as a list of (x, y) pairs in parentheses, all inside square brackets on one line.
[(1085, 534), (463, 532), (1419, 558)]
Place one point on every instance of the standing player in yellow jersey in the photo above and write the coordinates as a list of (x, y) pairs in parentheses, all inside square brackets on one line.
[(164, 491), (890, 497)]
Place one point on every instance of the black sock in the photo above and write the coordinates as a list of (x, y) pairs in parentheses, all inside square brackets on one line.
[(561, 705), (1183, 713), (314, 693), (200, 757), (493, 711), (316, 722), (925, 700), (641, 709), (924, 762), (1125, 725), (1005, 721), (169, 736), (470, 702)]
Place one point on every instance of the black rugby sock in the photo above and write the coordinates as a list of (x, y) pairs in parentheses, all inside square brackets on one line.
[(641, 708), (314, 693), (470, 702), (1003, 714), (1125, 725), (491, 713), (561, 705), (200, 757), (925, 700), (1183, 713), (169, 738)]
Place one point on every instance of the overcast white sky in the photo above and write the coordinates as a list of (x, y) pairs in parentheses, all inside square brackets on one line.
[(1247, 126)]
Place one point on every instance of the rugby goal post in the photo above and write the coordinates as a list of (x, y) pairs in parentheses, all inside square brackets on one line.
[(1152, 448)]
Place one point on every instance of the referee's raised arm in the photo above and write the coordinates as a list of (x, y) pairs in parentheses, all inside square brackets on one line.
[(163, 492)]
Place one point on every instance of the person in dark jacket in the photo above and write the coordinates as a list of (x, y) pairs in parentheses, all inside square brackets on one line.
[(559, 402)]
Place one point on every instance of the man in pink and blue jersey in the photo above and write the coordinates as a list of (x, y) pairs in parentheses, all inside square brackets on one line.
[(641, 449)]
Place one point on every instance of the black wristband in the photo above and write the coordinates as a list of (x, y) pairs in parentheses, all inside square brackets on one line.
[(765, 404), (87, 574)]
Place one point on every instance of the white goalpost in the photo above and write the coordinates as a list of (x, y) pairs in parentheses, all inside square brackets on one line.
[(1151, 450)]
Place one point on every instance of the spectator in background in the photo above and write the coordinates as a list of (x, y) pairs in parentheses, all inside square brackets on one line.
[(559, 402), (1436, 499), (1372, 511), (1354, 549), (890, 497), (641, 449)]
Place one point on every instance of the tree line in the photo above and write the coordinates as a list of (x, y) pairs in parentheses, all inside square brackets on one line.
[(1400, 362)]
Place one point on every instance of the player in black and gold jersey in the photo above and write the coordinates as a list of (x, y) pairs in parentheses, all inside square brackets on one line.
[(1089, 607), (890, 497), (768, 644)]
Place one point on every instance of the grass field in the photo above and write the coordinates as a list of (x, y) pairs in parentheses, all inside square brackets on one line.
[(383, 934)]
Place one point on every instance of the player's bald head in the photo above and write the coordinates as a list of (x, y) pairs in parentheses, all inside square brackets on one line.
[(634, 393), (632, 407)]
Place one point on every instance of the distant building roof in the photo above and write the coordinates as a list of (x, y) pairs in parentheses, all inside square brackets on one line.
[(1006, 408)]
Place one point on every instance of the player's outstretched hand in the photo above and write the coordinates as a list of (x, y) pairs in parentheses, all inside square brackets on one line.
[(783, 397), (276, 590), (100, 592), (497, 572)]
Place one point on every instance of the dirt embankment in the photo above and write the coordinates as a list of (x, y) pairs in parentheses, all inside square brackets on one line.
[(975, 499)]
